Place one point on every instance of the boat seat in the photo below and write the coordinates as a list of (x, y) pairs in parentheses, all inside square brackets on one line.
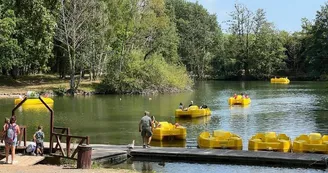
[(315, 138), (259, 136), (325, 139), (283, 137), (221, 134)]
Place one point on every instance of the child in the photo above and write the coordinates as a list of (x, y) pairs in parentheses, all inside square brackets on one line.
[(154, 122), (38, 138), (31, 148), (4, 129)]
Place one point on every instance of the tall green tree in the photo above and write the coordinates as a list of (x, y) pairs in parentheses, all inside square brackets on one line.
[(255, 44), (199, 35), (34, 30), (317, 42)]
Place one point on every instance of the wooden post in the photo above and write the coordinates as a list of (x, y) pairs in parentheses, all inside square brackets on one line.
[(84, 157)]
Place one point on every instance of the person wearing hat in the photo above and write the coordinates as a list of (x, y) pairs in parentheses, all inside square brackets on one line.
[(191, 103), (145, 127)]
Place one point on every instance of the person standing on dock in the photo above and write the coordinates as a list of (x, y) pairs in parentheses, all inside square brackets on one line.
[(12, 131), (145, 127)]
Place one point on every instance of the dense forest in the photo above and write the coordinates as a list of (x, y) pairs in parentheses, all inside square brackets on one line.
[(137, 46)]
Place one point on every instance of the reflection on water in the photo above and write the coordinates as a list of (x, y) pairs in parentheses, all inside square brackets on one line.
[(178, 167), (193, 121)]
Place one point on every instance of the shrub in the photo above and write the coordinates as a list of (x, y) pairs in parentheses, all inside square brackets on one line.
[(60, 91), (145, 76)]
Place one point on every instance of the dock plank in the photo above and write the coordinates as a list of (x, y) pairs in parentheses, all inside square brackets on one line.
[(234, 156), (24, 160)]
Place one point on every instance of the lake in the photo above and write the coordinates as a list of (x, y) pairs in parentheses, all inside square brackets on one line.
[(294, 109)]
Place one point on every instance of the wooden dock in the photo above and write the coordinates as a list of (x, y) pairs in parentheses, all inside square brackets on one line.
[(307, 160), (220, 156), (114, 154), (24, 160)]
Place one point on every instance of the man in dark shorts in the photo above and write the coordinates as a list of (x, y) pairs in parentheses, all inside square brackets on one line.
[(145, 127)]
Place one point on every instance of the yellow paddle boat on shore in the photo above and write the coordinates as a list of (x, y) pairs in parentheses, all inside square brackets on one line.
[(281, 80), (269, 141), (34, 101), (165, 130), (220, 140), (192, 112), (239, 100), (313, 143)]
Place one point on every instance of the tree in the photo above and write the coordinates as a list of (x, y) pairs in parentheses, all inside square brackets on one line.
[(199, 36), (75, 19), (317, 43), (34, 30), (9, 48), (256, 46)]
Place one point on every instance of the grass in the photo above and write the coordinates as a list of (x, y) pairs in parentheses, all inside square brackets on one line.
[(40, 83)]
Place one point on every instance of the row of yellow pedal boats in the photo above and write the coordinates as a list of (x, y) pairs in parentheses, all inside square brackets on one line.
[(269, 141)]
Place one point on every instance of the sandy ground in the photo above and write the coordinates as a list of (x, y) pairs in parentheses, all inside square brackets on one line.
[(55, 169)]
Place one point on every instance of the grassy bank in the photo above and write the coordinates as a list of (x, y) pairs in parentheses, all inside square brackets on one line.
[(40, 83)]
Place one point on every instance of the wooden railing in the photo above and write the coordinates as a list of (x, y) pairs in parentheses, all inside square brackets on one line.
[(22, 137), (66, 145)]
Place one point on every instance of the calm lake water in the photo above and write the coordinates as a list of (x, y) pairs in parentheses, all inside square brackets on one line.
[(300, 107)]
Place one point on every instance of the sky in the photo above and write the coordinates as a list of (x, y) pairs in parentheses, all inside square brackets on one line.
[(285, 14)]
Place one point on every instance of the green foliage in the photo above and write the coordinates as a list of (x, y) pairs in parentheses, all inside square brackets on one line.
[(317, 43), (26, 35), (60, 91), (254, 47), (151, 76), (200, 36)]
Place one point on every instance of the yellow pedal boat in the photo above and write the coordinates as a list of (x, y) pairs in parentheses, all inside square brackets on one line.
[(314, 143), (165, 130), (220, 139), (35, 101), (239, 100), (281, 80), (192, 112), (269, 141)]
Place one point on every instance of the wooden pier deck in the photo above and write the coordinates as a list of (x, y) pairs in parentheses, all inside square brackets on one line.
[(24, 160), (270, 158), (114, 154)]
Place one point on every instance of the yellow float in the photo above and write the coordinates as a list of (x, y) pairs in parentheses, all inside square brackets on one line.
[(269, 141), (193, 112), (165, 130), (239, 100), (281, 80), (314, 143), (220, 139), (167, 143), (34, 101)]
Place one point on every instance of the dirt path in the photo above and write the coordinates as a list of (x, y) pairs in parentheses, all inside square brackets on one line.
[(56, 169)]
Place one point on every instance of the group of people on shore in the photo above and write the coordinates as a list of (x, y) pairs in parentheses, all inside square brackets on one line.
[(10, 132)]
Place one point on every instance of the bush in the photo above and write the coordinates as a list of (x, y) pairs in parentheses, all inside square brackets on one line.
[(139, 76), (60, 91)]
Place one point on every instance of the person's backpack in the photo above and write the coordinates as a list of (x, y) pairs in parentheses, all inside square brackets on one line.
[(11, 134)]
